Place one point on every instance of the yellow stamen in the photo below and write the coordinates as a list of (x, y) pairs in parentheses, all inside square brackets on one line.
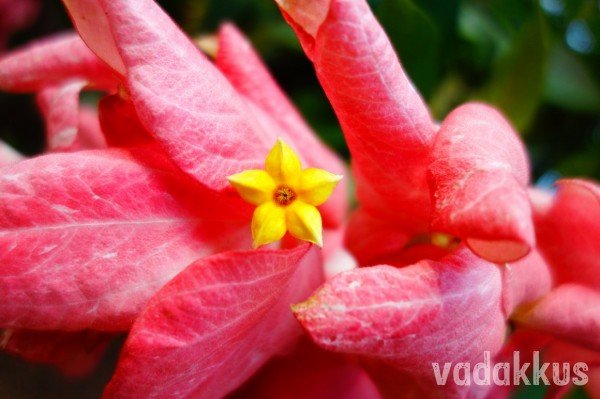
[(443, 240), (284, 195)]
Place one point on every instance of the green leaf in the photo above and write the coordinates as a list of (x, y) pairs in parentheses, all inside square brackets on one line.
[(479, 27), (569, 84), (518, 77), (415, 38)]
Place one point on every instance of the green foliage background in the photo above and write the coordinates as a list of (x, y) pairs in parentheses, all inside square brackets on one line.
[(539, 61)]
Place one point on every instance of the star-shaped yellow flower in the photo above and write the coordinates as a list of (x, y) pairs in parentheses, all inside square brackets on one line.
[(286, 197)]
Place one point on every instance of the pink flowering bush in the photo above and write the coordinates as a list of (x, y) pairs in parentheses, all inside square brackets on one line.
[(128, 223)]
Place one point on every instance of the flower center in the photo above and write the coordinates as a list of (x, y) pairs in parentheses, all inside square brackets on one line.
[(284, 195)]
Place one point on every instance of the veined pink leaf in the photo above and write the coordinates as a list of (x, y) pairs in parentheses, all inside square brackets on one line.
[(386, 123), (8, 154), (446, 311), (310, 373), (478, 179), (60, 107), (76, 354), (568, 232), (51, 60), (89, 132), (242, 66), (179, 95), (87, 237), (215, 324), (555, 314)]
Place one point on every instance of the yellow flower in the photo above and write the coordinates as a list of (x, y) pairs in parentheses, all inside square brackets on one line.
[(286, 197)]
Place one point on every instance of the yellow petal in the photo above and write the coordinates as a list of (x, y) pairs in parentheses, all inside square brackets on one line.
[(268, 224), (283, 164), (316, 185), (255, 186), (304, 222)]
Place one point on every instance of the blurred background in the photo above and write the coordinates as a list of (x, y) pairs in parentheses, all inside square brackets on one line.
[(537, 60)]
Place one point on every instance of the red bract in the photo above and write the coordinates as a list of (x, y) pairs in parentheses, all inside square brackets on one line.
[(568, 231), (466, 179), (88, 239)]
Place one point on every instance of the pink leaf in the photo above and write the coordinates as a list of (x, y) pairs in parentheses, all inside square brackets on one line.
[(244, 69), (478, 179), (570, 312), (180, 97), (89, 131), (76, 354), (8, 155), (215, 324), (87, 237), (50, 61), (91, 21), (60, 107), (371, 239), (568, 232), (525, 281), (447, 311), (386, 123), (323, 375), (120, 123)]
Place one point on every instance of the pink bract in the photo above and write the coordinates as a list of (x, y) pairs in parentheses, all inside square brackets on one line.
[(466, 178), (127, 223), (402, 160), (106, 239)]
